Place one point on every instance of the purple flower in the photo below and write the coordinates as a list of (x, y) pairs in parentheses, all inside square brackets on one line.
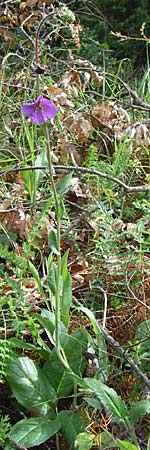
[(40, 110)]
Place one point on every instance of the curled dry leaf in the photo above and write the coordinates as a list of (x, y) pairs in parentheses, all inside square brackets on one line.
[(75, 29), (112, 115), (140, 134), (94, 74), (81, 127)]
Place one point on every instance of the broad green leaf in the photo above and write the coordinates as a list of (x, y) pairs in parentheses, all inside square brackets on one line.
[(84, 441), (10, 446), (31, 432), (53, 244), (64, 261), (30, 386), (101, 343), (125, 445), (64, 184), (139, 409), (148, 444), (109, 398), (71, 424), (59, 378)]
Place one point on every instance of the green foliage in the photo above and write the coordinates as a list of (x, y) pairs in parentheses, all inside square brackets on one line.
[(4, 429), (30, 386), (112, 402), (100, 18), (5, 350), (31, 432)]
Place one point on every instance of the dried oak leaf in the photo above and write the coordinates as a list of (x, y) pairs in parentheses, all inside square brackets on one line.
[(81, 127), (111, 115)]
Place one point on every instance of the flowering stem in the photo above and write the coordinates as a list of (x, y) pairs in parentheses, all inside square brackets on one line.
[(57, 206), (49, 16)]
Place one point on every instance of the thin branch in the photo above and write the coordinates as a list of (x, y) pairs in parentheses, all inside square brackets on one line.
[(79, 220), (143, 188), (132, 293), (127, 188), (115, 345), (122, 352)]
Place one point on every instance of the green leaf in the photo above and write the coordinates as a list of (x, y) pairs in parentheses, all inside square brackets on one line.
[(30, 386), (102, 348), (52, 277), (18, 343), (148, 444), (47, 319), (10, 446), (27, 177), (41, 160), (53, 244), (139, 409), (64, 262), (73, 346), (109, 398), (66, 300), (37, 278), (63, 185), (94, 402), (84, 441), (71, 424), (31, 432), (125, 445)]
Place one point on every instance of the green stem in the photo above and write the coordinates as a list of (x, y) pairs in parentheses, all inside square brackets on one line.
[(57, 206), (132, 433)]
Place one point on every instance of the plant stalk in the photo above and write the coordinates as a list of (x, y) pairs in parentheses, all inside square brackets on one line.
[(57, 206)]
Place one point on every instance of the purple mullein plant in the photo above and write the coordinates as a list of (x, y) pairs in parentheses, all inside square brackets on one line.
[(39, 111)]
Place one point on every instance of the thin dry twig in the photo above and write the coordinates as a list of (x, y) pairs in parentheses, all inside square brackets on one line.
[(79, 219), (116, 346), (132, 293), (122, 352), (130, 189)]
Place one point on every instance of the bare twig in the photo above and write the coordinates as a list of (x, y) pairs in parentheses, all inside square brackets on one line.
[(132, 293), (79, 219), (115, 345), (143, 188)]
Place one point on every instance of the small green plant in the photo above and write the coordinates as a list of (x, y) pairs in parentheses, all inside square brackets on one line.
[(4, 429)]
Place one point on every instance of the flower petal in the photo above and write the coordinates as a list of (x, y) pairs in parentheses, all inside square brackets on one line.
[(28, 109), (49, 111), (37, 117)]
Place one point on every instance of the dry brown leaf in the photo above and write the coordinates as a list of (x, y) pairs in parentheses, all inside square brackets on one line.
[(70, 77), (75, 29), (113, 116), (140, 134), (81, 127)]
